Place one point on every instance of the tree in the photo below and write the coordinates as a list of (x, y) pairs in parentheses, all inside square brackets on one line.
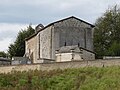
[(18, 47), (107, 33), (3, 54)]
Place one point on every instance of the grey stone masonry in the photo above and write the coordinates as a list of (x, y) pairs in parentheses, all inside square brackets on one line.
[(66, 32)]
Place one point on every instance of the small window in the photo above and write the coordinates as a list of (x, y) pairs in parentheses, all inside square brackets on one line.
[(65, 44), (78, 44)]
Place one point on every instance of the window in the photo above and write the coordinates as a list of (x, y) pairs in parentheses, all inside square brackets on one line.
[(65, 44)]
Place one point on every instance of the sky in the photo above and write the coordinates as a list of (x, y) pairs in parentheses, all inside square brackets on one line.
[(18, 14)]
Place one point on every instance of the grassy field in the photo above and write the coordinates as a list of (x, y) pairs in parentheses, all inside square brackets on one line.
[(89, 78)]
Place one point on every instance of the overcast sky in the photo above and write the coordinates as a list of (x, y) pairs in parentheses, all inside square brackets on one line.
[(18, 14)]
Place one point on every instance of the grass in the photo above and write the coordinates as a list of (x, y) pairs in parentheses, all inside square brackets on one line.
[(88, 78)]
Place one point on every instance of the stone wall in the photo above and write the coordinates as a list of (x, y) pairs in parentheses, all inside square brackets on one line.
[(60, 65), (46, 43), (88, 55), (31, 49), (67, 32), (73, 32), (62, 57), (40, 46)]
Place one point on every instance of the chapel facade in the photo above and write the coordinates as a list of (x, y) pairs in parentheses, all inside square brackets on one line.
[(46, 43)]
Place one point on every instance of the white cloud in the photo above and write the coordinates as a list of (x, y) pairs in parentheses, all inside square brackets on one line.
[(17, 14), (28, 11), (8, 33), (5, 43), (10, 30), (11, 27)]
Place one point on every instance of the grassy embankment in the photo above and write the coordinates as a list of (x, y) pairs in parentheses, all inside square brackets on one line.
[(89, 78)]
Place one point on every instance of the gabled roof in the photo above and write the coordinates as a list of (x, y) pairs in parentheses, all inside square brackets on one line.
[(58, 22), (67, 49)]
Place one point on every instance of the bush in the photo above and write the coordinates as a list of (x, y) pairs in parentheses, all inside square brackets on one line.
[(88, 78)]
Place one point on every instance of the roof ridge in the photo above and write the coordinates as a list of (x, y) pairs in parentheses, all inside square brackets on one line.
[(57, 22)]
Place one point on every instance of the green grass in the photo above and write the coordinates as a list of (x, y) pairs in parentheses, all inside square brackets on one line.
[(89, 78)]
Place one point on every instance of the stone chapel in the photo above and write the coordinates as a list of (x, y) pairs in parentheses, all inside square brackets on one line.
[(64, 40)]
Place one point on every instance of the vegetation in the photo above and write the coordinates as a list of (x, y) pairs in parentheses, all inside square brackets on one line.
[(88, 78), (107, 33), (18, 47), (3, 54)]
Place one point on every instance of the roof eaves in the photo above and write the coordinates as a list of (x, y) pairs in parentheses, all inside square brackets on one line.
[(38, 31), (87, 50), (26, 39), (84, 21), (58, 22)]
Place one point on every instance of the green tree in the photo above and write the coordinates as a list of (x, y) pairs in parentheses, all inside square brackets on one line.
[(18, 47), (3, 54), (107, 33), (114, 49)]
